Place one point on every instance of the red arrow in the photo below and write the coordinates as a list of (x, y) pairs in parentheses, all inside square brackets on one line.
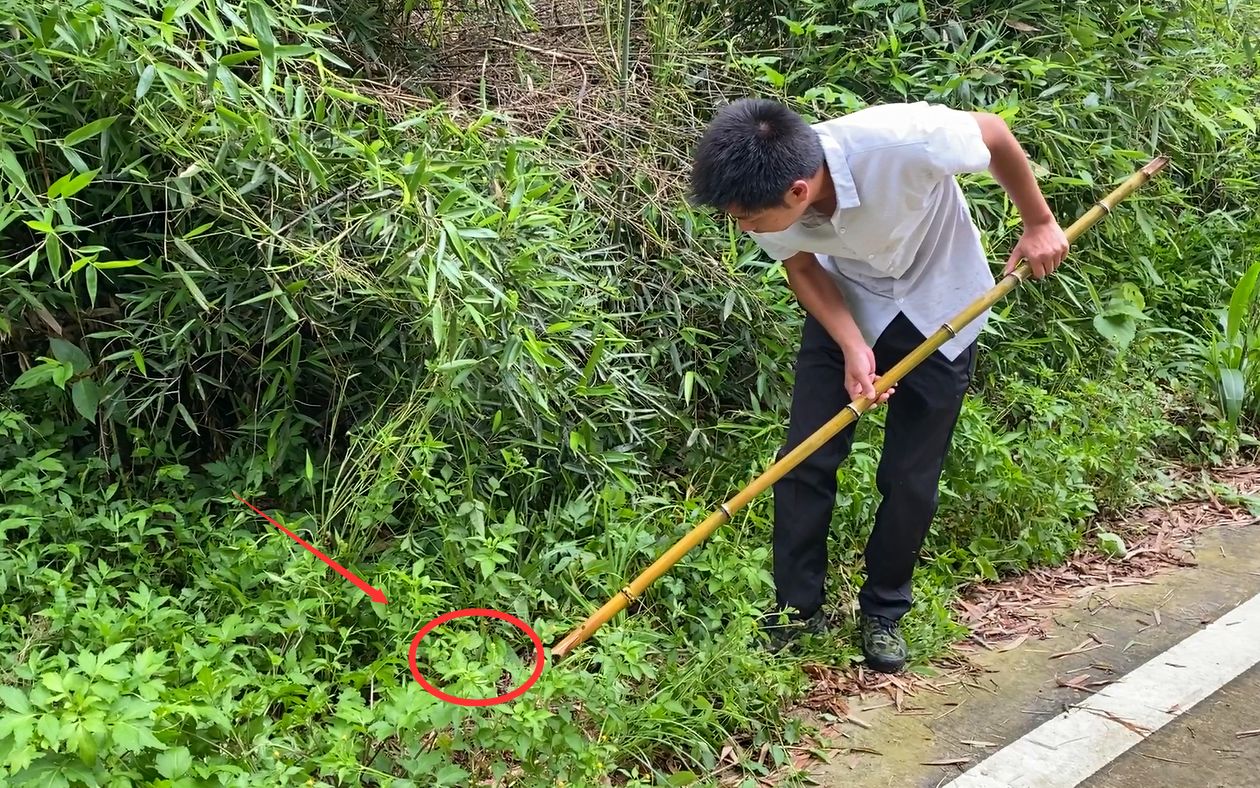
[(375, 594)]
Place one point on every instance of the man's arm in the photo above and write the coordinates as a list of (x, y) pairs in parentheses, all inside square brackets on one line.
[(821, 298), (1043, 243)]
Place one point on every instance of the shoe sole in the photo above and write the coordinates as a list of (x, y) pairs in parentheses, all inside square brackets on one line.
[(884, 666)]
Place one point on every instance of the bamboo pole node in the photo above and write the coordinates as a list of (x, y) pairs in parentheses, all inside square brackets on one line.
[(1103, 204), (628, 594), (950, 329), (857, 414), (725, 510)]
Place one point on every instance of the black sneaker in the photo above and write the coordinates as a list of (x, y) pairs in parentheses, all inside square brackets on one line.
[(783, 635), (882, 644)]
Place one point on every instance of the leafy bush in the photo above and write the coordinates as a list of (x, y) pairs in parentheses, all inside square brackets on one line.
[(174, 639)]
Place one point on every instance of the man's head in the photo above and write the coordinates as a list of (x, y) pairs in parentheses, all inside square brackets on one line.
[(760, 162)]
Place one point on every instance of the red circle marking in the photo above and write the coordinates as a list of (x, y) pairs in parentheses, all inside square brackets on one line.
[(471, 612)]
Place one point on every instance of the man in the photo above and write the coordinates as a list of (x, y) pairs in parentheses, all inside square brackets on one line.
[(866, 215)]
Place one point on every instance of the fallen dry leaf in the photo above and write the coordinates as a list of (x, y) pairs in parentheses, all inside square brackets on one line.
[(858, 722), (1133, 726), (947, 762), (1076, 683), (1081, 649)]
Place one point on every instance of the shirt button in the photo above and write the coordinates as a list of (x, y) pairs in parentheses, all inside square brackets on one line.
[(842, 231), (901, 300), (870, 257)]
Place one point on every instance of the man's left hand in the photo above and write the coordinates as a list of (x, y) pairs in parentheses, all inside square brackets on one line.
[(1044, 246)]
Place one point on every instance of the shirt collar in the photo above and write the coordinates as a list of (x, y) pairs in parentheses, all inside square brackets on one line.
[(841, 176)]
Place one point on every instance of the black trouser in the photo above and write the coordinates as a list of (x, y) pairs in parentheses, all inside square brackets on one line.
[(919, 424)]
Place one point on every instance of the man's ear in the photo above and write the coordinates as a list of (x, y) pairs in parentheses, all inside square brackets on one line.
[(798, 193)]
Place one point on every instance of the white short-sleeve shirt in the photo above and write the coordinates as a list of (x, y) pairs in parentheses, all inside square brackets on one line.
[(902, 238)]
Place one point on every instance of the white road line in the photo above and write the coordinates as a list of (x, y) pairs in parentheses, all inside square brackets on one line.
[(1066, 750)]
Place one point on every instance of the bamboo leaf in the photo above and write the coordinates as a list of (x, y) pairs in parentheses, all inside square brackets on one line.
[(11, 167), (191, 285), (70, 184), (227, 80), (146, 81), (236, 58), (191, 253), (1244, 117), (188, 419), (232, 117), (437, 320), (79, 183), (34, 377), (592, 363), (90, 281), (287, 306), (54, 191), (260, 26), (85, 133), (52, 248), (294, 50), (347, 95)]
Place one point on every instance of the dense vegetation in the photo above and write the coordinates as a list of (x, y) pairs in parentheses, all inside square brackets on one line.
[(448, 317)]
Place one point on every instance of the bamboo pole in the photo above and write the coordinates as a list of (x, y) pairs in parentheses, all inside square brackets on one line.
[(847, 415)]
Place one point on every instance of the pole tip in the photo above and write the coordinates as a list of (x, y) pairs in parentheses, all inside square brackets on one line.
[(1158, 163), (562, 649)]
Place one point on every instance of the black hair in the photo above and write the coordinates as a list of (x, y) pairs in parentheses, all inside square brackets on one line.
[(750, 155)]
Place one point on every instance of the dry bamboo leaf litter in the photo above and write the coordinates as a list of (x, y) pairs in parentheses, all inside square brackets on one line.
[(1007, 614), (947, 762), (1000, 612)]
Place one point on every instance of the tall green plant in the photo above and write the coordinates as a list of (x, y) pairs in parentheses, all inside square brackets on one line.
[(1233, 351)]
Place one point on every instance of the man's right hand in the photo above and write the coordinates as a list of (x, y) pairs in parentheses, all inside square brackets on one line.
[(859, 374), (821, 298)]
